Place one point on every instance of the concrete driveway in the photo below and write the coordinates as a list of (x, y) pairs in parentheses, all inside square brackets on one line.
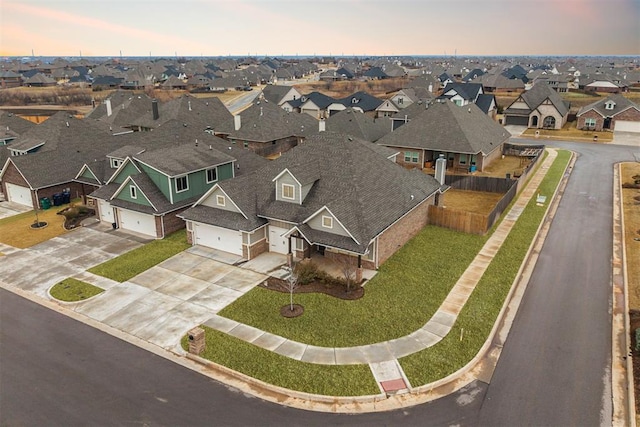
[(158, 306), (8, 209), (626, 138), (163, 303)]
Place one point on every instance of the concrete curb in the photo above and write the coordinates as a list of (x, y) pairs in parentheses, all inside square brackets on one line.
[(622, 384), (480, 367)]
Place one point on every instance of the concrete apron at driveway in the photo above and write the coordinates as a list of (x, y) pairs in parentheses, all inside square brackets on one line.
[(163, 303)]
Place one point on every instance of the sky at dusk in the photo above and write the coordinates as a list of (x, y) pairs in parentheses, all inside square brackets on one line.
[(329, 27)]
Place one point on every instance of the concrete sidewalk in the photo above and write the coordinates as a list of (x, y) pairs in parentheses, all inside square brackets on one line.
[(428, 335), (160, 305)]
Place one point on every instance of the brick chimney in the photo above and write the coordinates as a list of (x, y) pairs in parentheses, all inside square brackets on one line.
[(154, 109)]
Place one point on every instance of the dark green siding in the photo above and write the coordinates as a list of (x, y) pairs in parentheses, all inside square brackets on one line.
[(159, 179), (125, 194), (128, 170)]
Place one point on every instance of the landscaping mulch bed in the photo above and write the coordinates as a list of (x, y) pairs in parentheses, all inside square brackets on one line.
[(74, 215), (286, 311), (40, 224), (337, 291)]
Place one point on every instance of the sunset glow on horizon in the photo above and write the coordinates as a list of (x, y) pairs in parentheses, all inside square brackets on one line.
[(311, 27)]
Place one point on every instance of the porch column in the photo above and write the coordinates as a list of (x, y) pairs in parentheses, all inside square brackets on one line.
[(359, 270), (289, 254)]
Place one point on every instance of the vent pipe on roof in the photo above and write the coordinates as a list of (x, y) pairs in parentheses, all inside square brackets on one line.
[(196, 142), (154, 109), (441, 169), (237, 121), (189, 102)]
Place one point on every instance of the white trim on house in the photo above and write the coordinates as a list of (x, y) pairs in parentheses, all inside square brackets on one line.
[(124, 184), (86, 167), (122, 166), (313, 215), (4, 169), (206, 195)]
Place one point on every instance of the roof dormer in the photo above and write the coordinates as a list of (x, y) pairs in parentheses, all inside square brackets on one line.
[(292, 186), (609, 105)]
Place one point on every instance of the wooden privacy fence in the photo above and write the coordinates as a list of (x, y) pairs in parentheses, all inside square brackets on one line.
[(473, 223)]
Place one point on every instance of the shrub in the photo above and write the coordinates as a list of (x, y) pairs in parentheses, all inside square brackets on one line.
[(307, 272)]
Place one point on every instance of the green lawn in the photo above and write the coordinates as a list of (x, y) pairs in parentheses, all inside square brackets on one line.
[(402, 297), (265, 365), (477, 317), (480, 312), (130, 264), (71, 290)]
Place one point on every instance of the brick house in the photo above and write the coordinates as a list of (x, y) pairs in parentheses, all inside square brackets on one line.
[(539, 108), (613, 113), (468, 138), (144, 188), (333, 196)]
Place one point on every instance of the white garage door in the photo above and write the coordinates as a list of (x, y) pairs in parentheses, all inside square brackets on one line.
[(277, 243), (19, 194), (219, 238), (138, 222), (624, 126), (106, 211)]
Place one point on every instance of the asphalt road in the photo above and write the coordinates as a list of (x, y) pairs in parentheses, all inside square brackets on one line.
[(553, 369), (56, 371)]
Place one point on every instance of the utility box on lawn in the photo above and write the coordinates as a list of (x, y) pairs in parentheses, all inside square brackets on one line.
[(197, 342)]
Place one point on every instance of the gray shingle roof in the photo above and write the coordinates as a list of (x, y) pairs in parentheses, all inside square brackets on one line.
[(183, 159), (541, 91), (364, 190), (266, 122), (358, 125), (446, 127), (621, 104)]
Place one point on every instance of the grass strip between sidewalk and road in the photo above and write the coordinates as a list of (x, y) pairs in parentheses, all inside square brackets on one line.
[(481, 310), (329, 380), (450, 354), (132, 263), (72, 290)]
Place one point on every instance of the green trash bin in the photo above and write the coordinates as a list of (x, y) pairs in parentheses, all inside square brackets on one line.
[(45, 203)]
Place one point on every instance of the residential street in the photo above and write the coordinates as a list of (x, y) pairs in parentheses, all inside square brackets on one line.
[(553, 370)]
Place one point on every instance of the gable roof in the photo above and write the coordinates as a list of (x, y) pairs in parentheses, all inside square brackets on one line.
[(183, 159), (444, 126), (265, 122), (357, 124), (468, 91), (541, 91), (362, 100), (364, 190), (621, 104)]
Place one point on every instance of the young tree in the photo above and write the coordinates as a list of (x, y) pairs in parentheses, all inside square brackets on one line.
[(292, 284), (348, 270)]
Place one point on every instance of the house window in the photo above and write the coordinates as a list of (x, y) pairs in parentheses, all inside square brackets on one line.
[(327, 221), (182, 184), (458, 102), (609, 105), (115, 163), (288, 191), (212, 175), (411, 156), (400, 101), (549, 122), (590, 123), (220, 200), (245, 144), (132, 192), (463, 159)]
